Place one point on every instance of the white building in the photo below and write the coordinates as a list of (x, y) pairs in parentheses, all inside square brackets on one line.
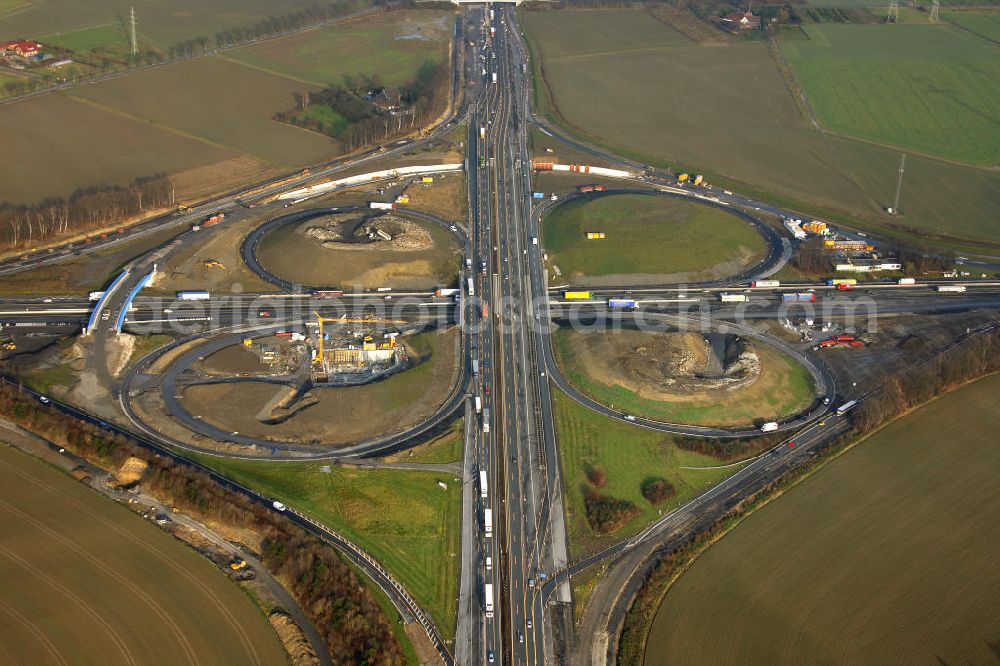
[(868, 267)]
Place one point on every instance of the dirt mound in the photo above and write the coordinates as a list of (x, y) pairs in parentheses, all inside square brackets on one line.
[(300, 653), (661, 366), (131, 471), (386, 232)]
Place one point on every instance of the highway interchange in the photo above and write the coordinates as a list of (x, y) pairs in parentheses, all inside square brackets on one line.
[(510, 349)]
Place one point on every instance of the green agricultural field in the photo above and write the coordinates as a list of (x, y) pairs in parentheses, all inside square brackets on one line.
[(109, 36), (392, 46), (648, 234), (87, 581), (783, 388), (9, 5), (218, 102), (985, 24), (76, 145), (163, 23), (627, 455), (692, 106), (4, 80), (402, 518), (887, 554), (929, 88), (592, 34)]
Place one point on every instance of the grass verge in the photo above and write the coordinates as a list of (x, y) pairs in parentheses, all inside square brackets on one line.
[(627, 456), (402, 518)]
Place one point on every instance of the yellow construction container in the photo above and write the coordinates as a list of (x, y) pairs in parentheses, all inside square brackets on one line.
[(595, 235), (576, 295), (247, 342), (698, 179), (403, 199), (682, 177), (815, 227), (829, 243), (427, 179)]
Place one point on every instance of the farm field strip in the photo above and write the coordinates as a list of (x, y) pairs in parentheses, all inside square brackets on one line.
[(198, 113), (391, 49), (93, 583), (162, 23), (922, 87), (905, 529), (217, 101), (76, 145), (751, 137), (986, 24)]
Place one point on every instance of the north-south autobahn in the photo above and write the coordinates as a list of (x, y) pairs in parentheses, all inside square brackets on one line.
[(514, 452)]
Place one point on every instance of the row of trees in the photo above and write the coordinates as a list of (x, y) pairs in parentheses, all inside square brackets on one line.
[(344, 611), (726, 449), (275, 25), (86, 209), (977, 356)]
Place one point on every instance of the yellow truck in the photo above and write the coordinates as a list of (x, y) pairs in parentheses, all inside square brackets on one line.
[(576, 295)]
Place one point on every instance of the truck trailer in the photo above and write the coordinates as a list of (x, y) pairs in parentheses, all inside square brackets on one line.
[(488, 522), (951, 288), (488, 599), (759, 284), (486, 420), (733, 298), (193, 295), (483, 488), (846, 407), (622, 303), (378, 205), (802, 297), (576, 295)]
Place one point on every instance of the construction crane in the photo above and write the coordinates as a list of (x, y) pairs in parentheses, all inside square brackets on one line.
[(344, 319)]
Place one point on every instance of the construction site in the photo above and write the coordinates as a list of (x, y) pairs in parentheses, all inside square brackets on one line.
[(348, 350)]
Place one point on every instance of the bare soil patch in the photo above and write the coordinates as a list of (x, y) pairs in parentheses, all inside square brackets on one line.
[(425, 256), (337, 416)]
